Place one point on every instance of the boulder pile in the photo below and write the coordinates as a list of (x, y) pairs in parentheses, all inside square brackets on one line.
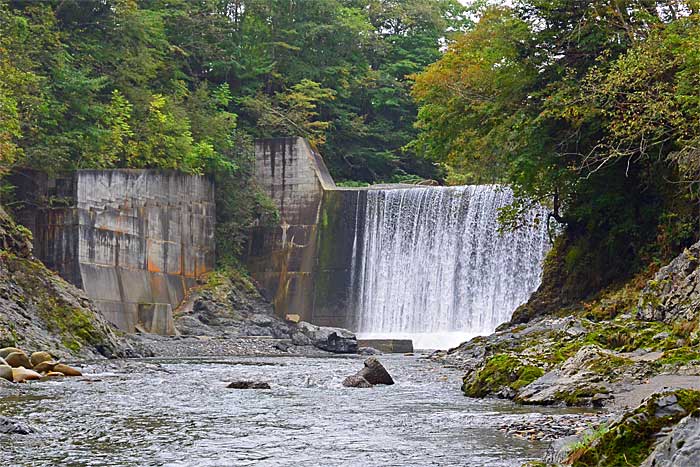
[(18, 367)]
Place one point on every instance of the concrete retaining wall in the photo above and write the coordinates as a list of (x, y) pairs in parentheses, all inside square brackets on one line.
[(134, 240), (304, 265)]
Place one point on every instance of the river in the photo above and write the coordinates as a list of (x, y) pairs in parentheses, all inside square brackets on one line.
[(180, 413)]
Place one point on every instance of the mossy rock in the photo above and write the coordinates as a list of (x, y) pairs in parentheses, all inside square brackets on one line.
[(499, 372), (630, 440)]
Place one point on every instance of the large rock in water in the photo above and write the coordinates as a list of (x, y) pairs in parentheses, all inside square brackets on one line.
[(248, 385), (674, 293), (356, 381), (336, 340), (373, 373)]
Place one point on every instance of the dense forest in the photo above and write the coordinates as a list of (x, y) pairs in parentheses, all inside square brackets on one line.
[(188, 85), (591, 107)]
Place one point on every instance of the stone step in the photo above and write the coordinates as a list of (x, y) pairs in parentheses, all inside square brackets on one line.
[(388, 345)]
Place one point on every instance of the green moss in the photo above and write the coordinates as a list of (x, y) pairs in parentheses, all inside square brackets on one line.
[(631, 440), (688, 399), (578, 396), (528, 374), (75, 326), (607, 364), (679, 356), (503, 370)]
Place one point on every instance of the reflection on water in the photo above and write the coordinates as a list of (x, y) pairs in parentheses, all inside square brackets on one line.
[(180, 413)]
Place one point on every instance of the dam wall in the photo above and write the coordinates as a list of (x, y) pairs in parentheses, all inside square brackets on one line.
[(400, 261), (304, 265), (134, 240)]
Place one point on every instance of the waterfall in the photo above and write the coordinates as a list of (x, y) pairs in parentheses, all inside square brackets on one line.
[(432, 266)]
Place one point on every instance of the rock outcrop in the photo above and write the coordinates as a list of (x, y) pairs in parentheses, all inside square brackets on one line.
[(681, 447), (230, 306), (674, 293), (41, 311), (584, 379), (633, 437)]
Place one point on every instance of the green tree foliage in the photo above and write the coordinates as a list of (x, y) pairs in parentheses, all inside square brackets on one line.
[(186, 85), (589, 106), (334, 71)]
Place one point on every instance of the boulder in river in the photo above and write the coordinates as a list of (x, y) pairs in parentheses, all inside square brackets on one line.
[(6, 372), (356, 381), (21, 374), (248, 385), (4, 352), (336, 340), (373, 373), (44, 367), (39, 357), (66, 370), (18, 359)]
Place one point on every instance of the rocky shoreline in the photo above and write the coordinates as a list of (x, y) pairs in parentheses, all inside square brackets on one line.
[(622, 353)]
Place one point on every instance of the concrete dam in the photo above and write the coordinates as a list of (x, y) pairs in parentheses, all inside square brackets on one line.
[(134, 240), (398, 261)]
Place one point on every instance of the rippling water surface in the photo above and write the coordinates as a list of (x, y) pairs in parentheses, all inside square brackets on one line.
[(180, 413)]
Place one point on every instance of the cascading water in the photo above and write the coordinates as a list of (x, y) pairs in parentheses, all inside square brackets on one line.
[(432, 265)]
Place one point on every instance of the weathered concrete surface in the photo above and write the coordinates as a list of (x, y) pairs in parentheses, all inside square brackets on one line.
[(388, 345), (305, 264), (129, 238)]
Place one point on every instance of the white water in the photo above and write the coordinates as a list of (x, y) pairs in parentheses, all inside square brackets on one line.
[(433, 267)]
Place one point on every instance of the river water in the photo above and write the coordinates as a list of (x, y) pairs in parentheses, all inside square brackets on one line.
[(180, 413)]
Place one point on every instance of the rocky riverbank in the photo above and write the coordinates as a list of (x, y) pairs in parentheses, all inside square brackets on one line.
[(616, 353), (227, 316), (42, 312)]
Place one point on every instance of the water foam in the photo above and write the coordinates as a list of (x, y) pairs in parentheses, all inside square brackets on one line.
[(433, 263)]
